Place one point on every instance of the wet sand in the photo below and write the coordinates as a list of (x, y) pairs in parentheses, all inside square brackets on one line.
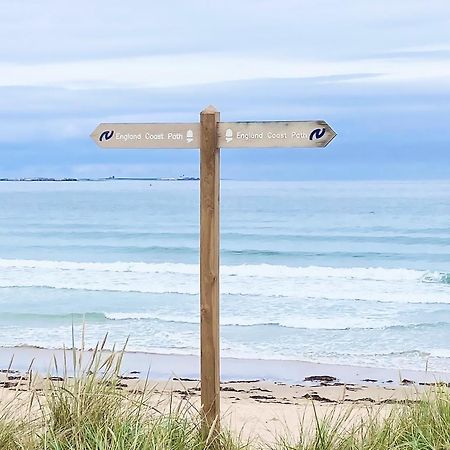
[(164, 366), (260, 399)]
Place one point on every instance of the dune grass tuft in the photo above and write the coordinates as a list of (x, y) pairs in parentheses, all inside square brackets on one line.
[(421, 425), (88, 410)]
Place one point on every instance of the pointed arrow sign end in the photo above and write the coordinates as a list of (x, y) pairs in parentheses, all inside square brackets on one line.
[(332, 135), (94, 134)]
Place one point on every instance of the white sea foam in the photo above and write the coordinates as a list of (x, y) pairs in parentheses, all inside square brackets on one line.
[(265, 280), (300, 322), (257, 270), (440, 352)]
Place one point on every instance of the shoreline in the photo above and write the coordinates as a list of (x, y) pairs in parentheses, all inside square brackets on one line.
[(260, 399), (159, 366)]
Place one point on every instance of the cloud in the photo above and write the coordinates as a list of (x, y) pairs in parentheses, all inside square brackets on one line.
[(198, 69), (52, 31), (379, 72)]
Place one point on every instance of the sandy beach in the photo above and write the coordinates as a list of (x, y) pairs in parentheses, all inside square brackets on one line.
[(260, 398), (166, 366)]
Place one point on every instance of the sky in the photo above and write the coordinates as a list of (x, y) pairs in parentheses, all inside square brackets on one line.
[(377, 71)]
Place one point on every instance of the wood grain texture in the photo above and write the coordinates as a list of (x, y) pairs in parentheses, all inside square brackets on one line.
[(209, 267)]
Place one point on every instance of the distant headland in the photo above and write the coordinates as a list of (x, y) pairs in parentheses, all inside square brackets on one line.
[(37, 179)]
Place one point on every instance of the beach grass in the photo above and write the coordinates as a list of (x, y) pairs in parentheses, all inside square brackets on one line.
[(420, 425), (90, 410)]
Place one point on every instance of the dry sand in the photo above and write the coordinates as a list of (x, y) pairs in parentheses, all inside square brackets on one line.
[(254, 409), (260, 407)]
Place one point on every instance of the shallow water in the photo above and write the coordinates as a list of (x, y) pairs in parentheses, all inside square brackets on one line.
[(348, 272)]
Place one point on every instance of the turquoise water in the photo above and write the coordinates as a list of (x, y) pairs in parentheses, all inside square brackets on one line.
[(348, 272)]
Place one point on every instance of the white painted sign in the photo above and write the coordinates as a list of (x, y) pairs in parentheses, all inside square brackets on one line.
[(147, 135), (315, 133)]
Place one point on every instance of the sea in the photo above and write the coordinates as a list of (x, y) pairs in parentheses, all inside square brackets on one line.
[(351, 273)]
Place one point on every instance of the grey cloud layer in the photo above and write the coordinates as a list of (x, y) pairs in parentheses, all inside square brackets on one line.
[(387, 127), (393, 131), (51, 30)]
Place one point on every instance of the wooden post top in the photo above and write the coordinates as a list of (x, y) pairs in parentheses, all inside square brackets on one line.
[(209, 110)]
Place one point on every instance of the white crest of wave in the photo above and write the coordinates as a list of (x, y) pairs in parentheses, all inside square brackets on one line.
[(353, 283), (302, 322), (251, 270), (439, 352)]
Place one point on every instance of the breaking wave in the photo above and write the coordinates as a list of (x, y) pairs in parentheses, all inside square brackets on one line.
[(294, 322), (266, 280)]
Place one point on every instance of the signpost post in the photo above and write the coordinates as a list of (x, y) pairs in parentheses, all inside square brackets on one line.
[(209, 266), (210, 135)]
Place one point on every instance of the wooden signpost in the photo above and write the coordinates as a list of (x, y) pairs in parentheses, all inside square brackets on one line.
[(210, 135)]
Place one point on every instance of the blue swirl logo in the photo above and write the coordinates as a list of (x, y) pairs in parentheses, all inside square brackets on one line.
[(317, 133), (106, 135)]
